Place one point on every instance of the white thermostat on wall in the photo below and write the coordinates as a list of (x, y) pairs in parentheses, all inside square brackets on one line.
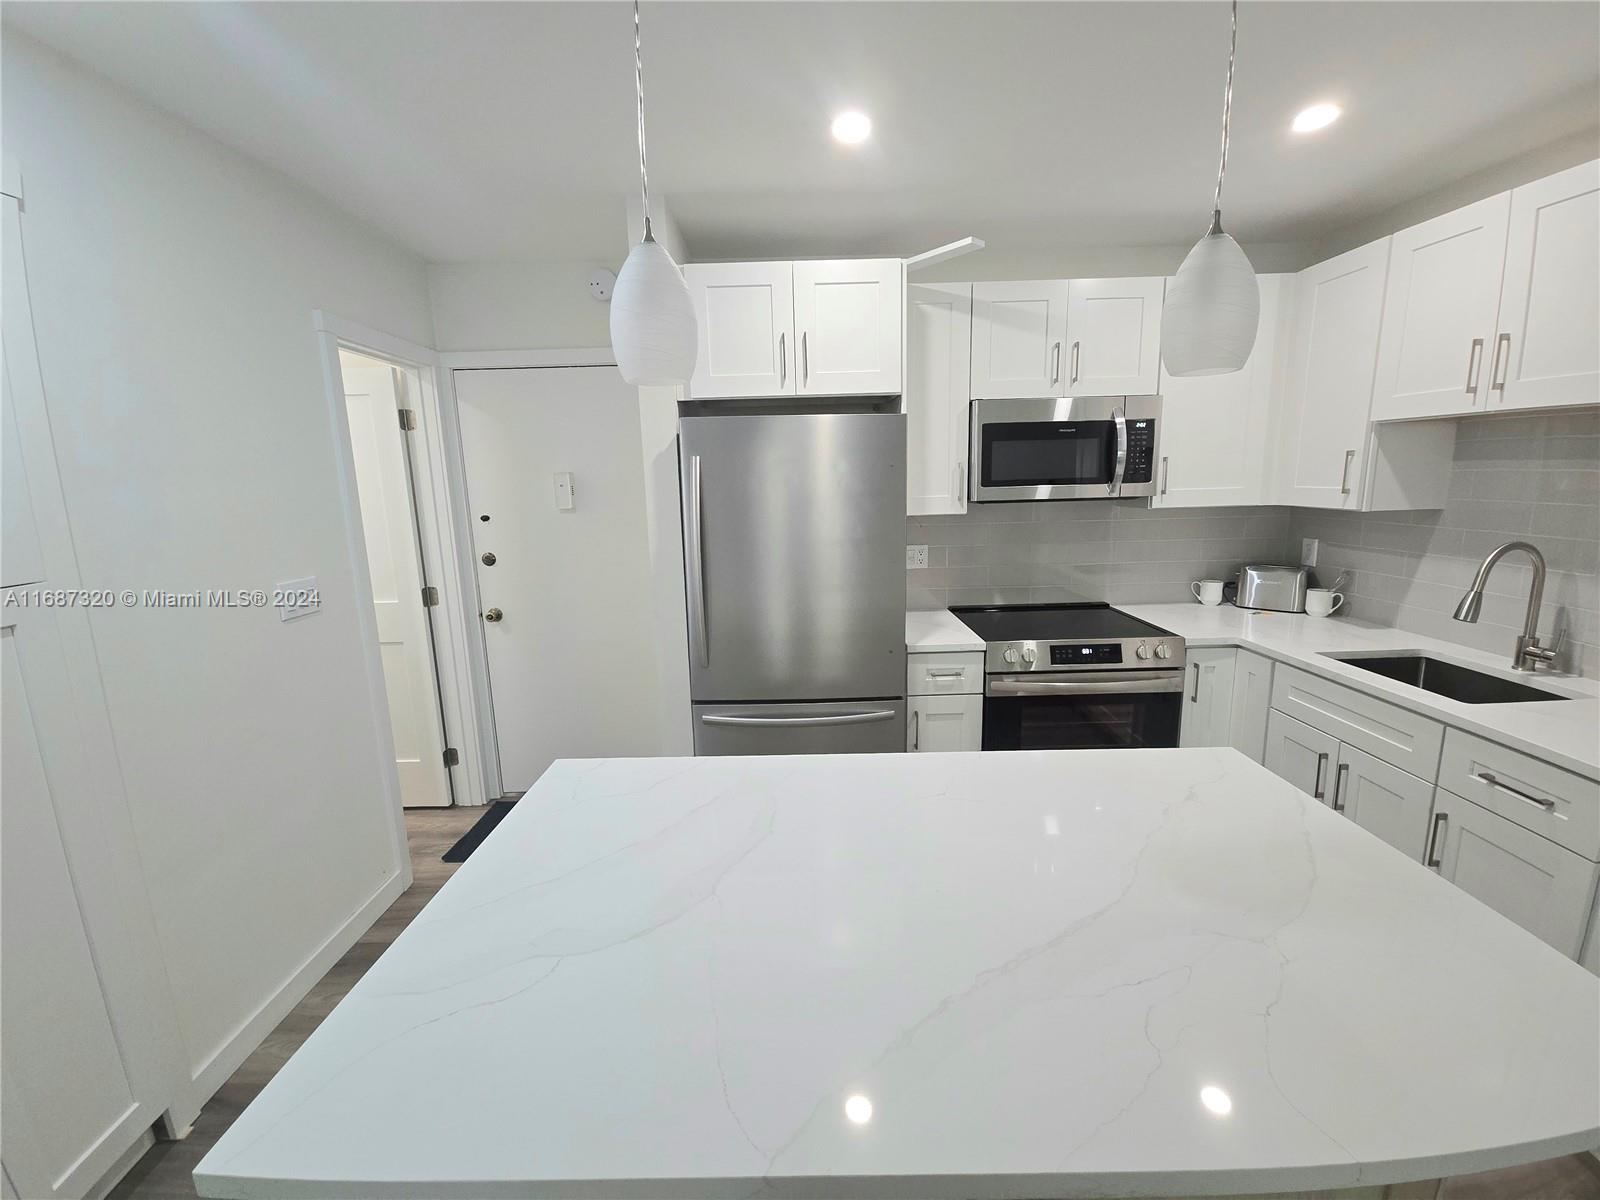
[(565, 498), (601, 281)]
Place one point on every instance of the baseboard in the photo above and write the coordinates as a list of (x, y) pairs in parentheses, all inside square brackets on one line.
[(121, 1166), (225, 1060)]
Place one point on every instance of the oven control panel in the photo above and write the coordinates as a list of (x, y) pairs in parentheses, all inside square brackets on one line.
[(1109, 654), (1094, 653)]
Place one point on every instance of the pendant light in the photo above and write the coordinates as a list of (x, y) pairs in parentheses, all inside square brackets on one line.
[(1213, 305), (653, 331)]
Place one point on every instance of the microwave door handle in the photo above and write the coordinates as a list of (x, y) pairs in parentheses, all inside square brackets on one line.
[(1121, 423)]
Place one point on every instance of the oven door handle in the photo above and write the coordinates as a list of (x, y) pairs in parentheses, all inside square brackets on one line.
[(1089, 683), (1121, 422)]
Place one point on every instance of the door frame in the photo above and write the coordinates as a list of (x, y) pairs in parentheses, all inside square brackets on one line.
[(445, 545)]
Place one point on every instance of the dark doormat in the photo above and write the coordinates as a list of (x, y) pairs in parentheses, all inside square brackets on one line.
[(473, 838)]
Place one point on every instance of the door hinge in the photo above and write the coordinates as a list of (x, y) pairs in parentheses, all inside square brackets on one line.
[(408, 419), (452, 757), (430, 596)]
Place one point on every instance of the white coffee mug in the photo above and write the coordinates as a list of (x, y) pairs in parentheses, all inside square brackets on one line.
[(1320, 602), (1207, 591)]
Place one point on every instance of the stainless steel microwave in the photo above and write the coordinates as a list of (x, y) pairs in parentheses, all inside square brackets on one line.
[(1071, 448)]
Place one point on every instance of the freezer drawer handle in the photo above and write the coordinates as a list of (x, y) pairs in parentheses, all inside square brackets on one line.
[(856, 718)]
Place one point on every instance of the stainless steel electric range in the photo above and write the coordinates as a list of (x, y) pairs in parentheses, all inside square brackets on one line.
[(1075, 677)]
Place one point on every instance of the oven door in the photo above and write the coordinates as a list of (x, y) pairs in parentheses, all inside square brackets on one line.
[(1090, 710), (1074, 448)]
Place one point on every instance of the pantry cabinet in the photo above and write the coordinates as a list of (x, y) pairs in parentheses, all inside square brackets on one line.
[(1114, 336), (938, 396), (1019, 337), (1214, 431), (827, 328), (1207, 697)]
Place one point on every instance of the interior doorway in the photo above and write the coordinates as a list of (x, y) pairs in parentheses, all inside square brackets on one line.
[(379, 405)]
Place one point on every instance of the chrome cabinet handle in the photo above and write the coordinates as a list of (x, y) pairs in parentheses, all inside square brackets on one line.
[(694, 551), (1344, 476), (1474, 361), (1339, 777), (1164, 474), (783, 360), (916, 729), (1497, 376), (1436, 841), (1536, 801), (961, 480), (1121, 422), (1055, 362), (945, 672), (857, 718), (1074, 378), (1194, 697), (1318, 787), (805, 359)]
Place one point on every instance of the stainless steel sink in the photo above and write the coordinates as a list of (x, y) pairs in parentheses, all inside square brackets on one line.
[(1447, 679)]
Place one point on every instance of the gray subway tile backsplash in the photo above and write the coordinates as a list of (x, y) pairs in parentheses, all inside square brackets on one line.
[(1535, 477)]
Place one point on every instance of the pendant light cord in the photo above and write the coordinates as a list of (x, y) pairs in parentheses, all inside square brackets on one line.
[(1227, 113), (638, 89)]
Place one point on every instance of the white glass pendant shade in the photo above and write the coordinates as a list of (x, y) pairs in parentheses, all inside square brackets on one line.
[(1213, 305), (653, 332)]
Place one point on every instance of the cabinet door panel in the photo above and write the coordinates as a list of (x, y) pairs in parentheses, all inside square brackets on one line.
[(847, 319), (938, 397), (1383, 799), (745, 315), (945, 723), (1439, 313), (1019, 333), (1114, 336), (1208, 702), (1338, 305), (1550, 307), (1543, 887), (1252, 699), (1302, 755)]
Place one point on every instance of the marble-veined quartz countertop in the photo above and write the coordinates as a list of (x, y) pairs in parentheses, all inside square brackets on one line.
[(1057, 973)]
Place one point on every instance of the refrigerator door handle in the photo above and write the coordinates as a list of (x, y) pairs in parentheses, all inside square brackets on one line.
[(694, 551), (856, 718)]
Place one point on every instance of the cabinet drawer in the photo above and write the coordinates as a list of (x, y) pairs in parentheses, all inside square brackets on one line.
[(1386, 731), (944, 674), (1553, 803)]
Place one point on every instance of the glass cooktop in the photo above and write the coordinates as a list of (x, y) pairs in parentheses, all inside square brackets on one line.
[(1052, 622)]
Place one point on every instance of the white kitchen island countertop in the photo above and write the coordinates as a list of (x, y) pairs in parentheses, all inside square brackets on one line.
[(1565, 733), (1058, 973), (939, 631)]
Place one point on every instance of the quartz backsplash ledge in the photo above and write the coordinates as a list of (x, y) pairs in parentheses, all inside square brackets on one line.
[(1120, 551)]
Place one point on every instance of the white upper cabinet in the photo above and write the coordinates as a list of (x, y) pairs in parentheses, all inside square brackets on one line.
[(1114, 336), (1019, 339), (1547, 350), (1439, 313), (745, 314), (1214, 427), (1328, 394), (847, 319), (938, 396)]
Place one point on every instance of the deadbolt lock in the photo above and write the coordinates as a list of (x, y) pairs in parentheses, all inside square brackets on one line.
[(494, 614), (488, 558)]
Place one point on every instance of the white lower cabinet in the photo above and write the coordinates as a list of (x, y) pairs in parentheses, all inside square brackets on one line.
[(1302, 755), (1252, 700), (1545, 888), (1208, 697), (1382, 799), (937, 723)]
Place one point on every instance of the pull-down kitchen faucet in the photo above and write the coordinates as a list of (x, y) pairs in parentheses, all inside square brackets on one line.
[(1528, 654)]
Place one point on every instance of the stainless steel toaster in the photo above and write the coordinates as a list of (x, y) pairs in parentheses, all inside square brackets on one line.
[(1282, 589)]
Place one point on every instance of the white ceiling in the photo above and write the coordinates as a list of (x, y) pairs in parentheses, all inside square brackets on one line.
[(477, 131)]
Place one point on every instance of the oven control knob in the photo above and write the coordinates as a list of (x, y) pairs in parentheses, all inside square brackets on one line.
[(1011, 654), (1163, 650), (1029, 654), (1141, 651)]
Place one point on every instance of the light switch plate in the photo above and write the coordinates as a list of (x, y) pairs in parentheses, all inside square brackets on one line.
[(296, 598), (916, 558), (566, 494), (1308, 552)]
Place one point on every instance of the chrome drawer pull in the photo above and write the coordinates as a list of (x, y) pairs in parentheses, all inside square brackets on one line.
[(1538, 801), (945, 672), (1436, 842)]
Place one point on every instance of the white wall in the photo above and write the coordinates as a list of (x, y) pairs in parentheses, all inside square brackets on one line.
[(173, 283), (518, 305)]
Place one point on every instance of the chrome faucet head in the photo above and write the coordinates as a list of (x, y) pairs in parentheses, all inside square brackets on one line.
[(1469, 607)]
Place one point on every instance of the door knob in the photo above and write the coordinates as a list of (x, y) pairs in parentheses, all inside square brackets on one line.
[(488, 558), (494, 614)]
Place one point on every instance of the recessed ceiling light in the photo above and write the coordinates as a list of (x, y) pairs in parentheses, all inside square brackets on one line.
[(1217, 1100), (852, 127), (859, 1109), (1318, 116)]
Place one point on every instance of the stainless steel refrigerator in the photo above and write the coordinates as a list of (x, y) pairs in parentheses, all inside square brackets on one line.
[(794, 539)]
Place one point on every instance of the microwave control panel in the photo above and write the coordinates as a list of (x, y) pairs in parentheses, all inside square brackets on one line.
[(1141, 451)]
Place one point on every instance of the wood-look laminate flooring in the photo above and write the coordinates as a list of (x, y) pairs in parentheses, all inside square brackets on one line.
[(165, 1171)]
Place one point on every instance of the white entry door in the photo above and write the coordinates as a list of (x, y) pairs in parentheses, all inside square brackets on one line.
[(555, 488), (383, 478)]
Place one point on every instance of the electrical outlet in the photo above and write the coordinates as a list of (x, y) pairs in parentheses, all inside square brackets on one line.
[(916, 558), (1308, 552)]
